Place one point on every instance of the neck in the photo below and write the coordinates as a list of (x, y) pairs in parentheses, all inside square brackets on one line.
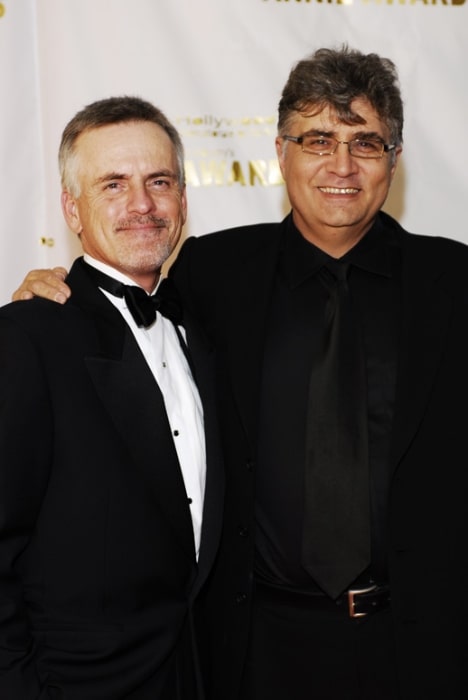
[(148, 282)]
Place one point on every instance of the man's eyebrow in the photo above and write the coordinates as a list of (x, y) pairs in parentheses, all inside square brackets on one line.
[(162, 173), (369, 135), (108, 177), (319, 132), (332, 134)]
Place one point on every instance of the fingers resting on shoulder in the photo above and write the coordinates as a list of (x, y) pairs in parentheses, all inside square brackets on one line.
[(49, 284)]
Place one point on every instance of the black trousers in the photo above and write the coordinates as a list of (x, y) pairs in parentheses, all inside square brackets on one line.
[(299, 653)]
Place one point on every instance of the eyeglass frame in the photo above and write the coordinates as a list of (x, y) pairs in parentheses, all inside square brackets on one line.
[(386, 147)]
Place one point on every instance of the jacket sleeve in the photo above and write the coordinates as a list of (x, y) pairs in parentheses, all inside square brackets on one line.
[(25, 436)]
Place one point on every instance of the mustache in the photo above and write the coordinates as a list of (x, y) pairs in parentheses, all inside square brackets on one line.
[(142, 221)]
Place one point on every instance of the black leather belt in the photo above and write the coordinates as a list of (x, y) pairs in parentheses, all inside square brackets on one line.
[(357, 603)]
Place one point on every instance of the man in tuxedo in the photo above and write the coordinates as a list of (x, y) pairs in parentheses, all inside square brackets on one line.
[(110, 497), (342, 373)]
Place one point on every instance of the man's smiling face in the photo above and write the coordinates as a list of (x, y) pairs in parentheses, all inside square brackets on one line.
[(130, 208), (335, 198)]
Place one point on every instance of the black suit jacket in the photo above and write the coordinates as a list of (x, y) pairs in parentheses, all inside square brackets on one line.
[(226, 278), (97, 565)]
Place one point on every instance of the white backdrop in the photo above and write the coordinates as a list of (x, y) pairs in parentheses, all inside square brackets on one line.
[(217, 67)]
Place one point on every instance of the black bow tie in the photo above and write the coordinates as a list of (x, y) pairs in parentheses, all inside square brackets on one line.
[(141, 305)]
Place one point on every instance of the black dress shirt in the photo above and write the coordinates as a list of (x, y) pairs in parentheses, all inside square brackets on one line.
[(294, 329)]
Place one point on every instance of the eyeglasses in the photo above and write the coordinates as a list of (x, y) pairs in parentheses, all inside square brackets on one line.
[(318, 145)]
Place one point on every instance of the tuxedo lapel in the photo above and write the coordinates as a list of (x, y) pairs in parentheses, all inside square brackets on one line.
[(202, 361), (131, 396), (426, 310), (133, 400)]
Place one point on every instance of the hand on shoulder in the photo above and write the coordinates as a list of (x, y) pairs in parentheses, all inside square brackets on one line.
[(49, 284)]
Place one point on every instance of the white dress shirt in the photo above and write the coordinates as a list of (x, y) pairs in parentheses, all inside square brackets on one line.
[(161, 348)]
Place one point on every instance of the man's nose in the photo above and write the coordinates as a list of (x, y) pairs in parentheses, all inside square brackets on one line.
[(341, 159), (140, 199)]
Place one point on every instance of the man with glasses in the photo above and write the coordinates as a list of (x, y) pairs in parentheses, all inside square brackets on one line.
[(342, 377)]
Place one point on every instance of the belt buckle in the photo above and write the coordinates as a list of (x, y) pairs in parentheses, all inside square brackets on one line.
[(351, 602)]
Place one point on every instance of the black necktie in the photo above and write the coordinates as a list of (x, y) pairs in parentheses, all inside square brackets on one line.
[(336, 534), (141, 305)]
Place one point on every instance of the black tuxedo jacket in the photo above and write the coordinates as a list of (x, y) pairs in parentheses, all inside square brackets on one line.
[(97, 564), (226, 278)]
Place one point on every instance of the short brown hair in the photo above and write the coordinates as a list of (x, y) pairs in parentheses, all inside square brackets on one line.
[(113, 110)]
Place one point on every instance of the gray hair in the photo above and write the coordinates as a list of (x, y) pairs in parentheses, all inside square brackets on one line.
[(112, 110), (335, 78)]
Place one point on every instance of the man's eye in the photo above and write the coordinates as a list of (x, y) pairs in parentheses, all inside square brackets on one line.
[(364, 145), (318, 144), (318, 141)]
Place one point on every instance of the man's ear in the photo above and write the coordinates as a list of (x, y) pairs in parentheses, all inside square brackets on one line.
[(280, 146), (71, 212), (396, 158), (183, 204)]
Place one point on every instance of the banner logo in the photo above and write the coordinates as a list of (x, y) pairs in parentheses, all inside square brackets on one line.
[(223, 150)]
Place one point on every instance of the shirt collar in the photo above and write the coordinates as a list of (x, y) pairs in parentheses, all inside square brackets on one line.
[(112, 272), (302, 259)]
